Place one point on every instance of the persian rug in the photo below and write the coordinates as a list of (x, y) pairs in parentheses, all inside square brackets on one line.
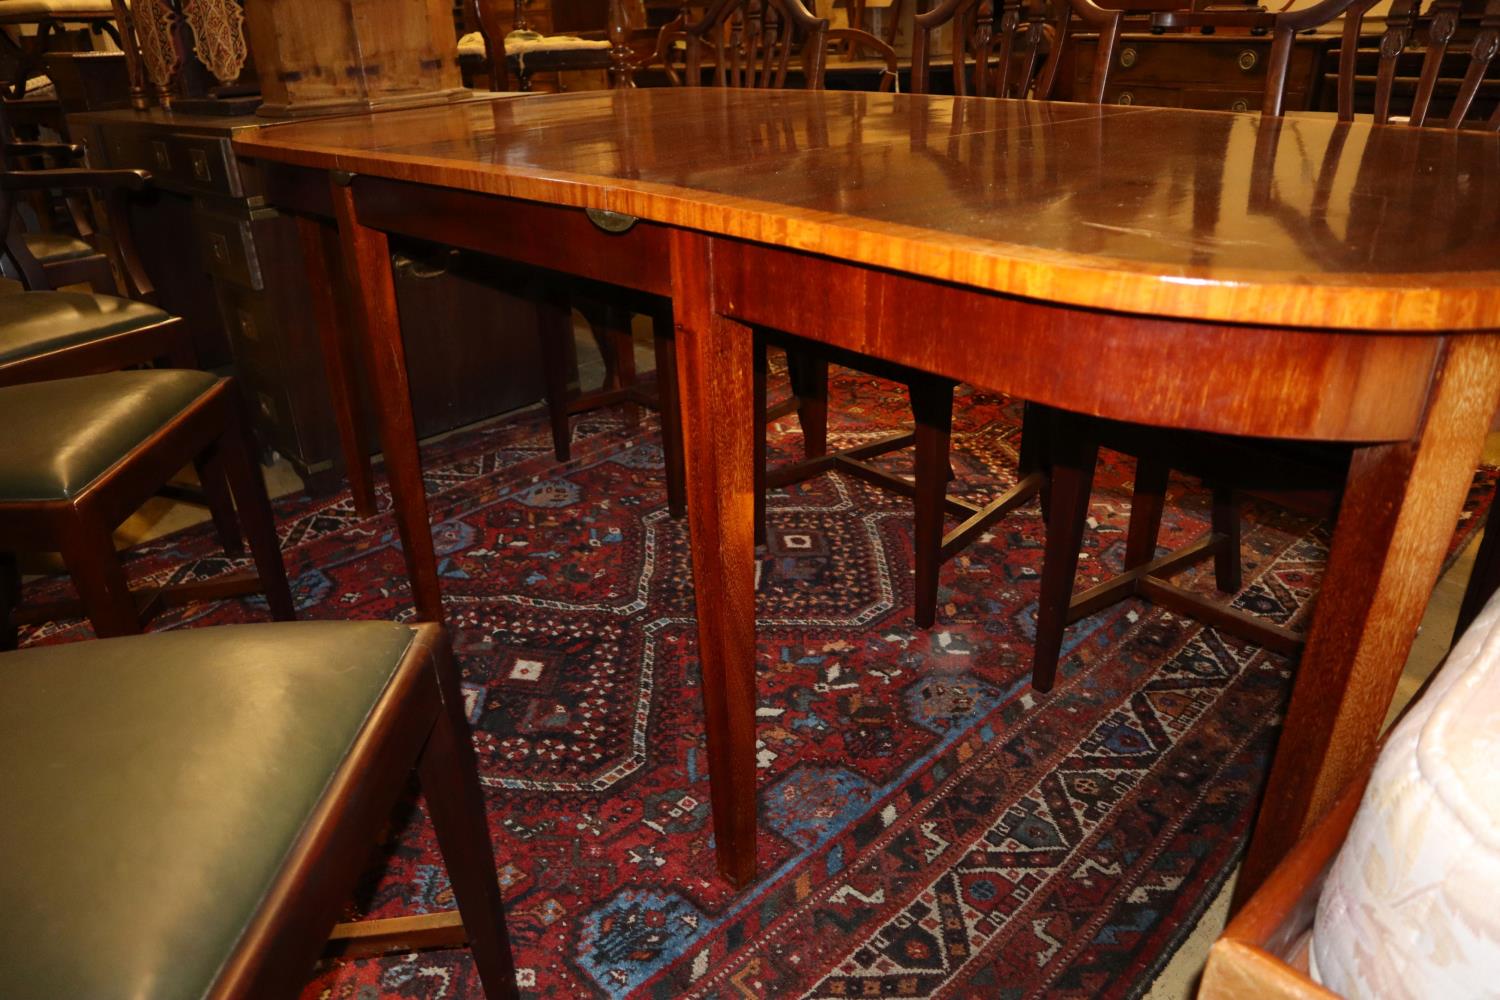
[(930, 825)]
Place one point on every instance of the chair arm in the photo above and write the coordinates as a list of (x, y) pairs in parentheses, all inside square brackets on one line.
[(42, 180), (62, 150), (862, 39)]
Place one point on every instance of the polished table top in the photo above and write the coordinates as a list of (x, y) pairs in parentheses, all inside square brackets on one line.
[(1210, 215)]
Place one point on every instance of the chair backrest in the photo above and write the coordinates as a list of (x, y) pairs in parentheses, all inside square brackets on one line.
[(1404, 24), (1013, 35), (1023, 28), (750, 43)]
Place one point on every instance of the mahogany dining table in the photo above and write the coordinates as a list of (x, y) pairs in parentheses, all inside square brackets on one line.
[(1291, 278)]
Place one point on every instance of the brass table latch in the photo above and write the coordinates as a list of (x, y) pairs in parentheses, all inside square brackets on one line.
[(610, 222)]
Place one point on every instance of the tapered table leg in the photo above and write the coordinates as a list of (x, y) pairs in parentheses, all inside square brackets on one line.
[(715, 375), (367, 253), (1394, 525), (320, 256)]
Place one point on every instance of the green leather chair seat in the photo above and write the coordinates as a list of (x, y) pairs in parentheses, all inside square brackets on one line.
[(33, 323), (62, 435), (51, 247), (152, 786)]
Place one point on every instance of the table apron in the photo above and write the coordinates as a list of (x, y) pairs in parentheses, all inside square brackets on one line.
[(1257, 381), (527, 232)]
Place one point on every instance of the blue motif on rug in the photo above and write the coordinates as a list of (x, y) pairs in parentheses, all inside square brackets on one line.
[(634, 935), (811, 801)]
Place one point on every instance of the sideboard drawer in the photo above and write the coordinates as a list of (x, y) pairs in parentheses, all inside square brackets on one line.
[(229, 249), (205, 163)]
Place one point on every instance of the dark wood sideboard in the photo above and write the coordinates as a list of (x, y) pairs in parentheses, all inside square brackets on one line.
[(232, 266), (1209, 72)]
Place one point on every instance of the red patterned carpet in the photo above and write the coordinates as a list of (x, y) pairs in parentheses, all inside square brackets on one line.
[(930, 826)]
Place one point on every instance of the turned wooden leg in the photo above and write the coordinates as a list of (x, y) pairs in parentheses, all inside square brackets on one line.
[(670, 411), (236, 450), (88, 550), (716, 358), (554, 324), (1226, 522), (325, 282), (1146, 504), (450, 784), (759, 389), (368, 254), (808, 374), (932, 406), (1394, 525), (220, 503), (1072, 454)]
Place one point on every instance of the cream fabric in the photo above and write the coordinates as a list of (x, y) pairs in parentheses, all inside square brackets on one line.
[(1411, 907), (472, 44)]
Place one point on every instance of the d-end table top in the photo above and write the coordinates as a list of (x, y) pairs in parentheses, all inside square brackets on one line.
[(1217, 216)]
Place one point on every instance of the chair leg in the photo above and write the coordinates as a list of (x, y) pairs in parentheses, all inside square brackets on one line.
[(617, 346), (10, 598), (554, 324), (1073, 453), (88, 550), (759, 391), (1146, 505), (809, 377), (932, 406), (670, 411), (1226, 522), (1033, 451), (450, 783), (236, 450), (210, 468)]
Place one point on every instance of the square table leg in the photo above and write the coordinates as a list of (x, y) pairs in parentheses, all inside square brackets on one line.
[(715, 359), (1393, 528)]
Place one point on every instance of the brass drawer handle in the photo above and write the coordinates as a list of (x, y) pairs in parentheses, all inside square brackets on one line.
[(610, 222), (1248, 59), (1240, 105), (1126, 97), (201, 170), (1127, 58)]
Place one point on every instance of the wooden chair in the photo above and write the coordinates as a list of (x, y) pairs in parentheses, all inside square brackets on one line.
[(195, 807), (49, 260), (84, 453)]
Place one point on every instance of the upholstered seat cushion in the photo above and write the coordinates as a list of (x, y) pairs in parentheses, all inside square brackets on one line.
[(1409, 906), (49, 247), (62, 435), (33, 323), (152, 787)]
